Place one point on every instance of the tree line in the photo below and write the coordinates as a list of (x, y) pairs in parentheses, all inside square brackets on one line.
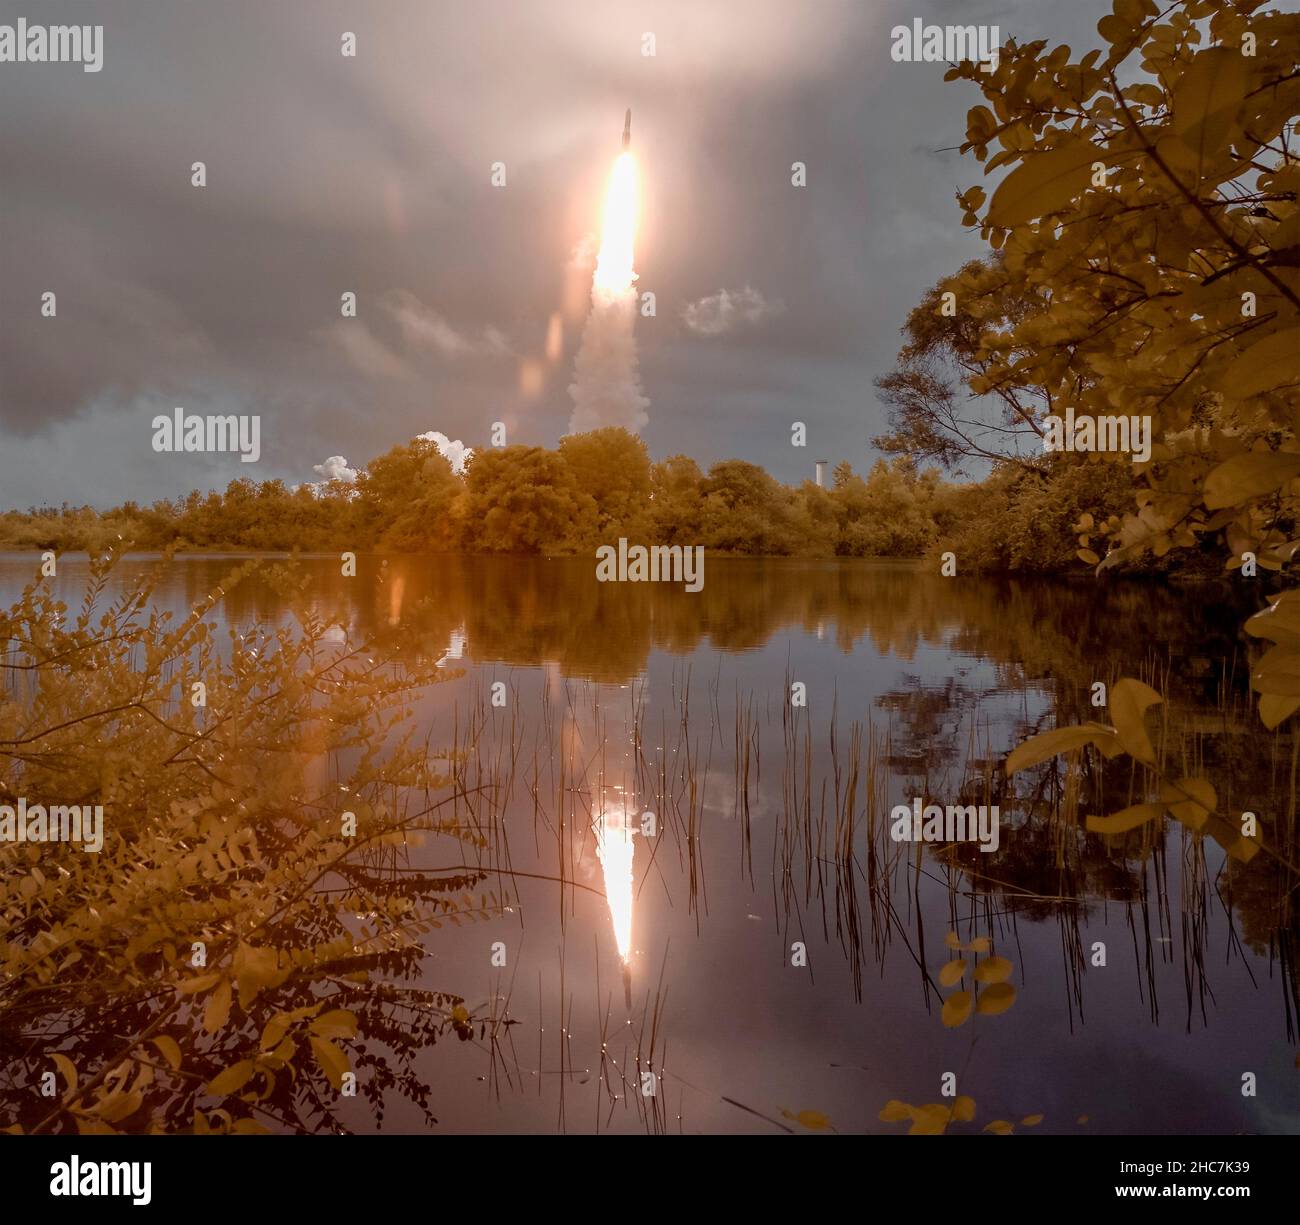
[(596, 487)]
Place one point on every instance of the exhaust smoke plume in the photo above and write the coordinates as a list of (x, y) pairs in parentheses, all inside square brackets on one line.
[(606, 387)]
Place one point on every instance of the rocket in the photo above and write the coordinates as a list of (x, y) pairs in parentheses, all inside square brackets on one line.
[(627, 128)]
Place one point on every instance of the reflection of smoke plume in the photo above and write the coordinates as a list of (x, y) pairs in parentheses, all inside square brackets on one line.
[(606, 388)]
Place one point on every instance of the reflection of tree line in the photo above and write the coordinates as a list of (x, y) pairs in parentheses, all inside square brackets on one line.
[(527, 610)]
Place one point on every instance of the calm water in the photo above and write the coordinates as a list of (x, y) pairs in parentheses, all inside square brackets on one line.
[(644, 697)]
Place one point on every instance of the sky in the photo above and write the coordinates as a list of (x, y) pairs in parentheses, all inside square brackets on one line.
[(373, 174)]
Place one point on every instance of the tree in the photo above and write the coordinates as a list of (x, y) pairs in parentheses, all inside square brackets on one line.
[(407, 498), (526, 500), (613, 466), (1154, 225)]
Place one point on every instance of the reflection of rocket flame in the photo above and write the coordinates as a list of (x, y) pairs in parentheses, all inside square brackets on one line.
[(614, 848)]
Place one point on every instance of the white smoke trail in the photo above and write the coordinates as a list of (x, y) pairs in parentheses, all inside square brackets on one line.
[(606, 387)]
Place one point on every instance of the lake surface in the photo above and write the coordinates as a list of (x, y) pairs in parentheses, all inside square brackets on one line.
[(761, 945)]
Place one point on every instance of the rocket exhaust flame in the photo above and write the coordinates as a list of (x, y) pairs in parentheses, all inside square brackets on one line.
[(614, 274), (606, 387)]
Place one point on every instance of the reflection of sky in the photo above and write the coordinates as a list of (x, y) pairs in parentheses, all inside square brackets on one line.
[(738, 1020)]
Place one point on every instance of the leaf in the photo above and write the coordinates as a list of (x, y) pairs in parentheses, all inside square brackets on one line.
[(1279, 622), (1275, 711), (956, 1009), (337, 1024), (255, 969), (1205, 104), (1089, 556), (951, 973), (993, 970), (1031, 1120), (333, 1062), (963, 1109), (232, 1079), (1060, 740), (1129, 699), (1278, 672), (1043, 182), (1124, 820), (953, 941), (981, 944), (68, 1070), (192, 986), (996, 999), (1190, 800), (812, 1119), (169, 1049), (217, 1012), (999, 1127), (895, 1111), (1248, 476), (930, 1120)]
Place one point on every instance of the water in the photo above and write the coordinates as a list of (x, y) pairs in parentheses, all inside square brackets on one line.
[(623, 699)]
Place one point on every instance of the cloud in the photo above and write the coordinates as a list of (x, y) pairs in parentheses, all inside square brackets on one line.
[(336, 469), (423, 328), (728, 310), (456, 453), (366, 353)]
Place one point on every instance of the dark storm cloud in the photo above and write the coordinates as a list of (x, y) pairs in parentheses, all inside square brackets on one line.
[(371, 175)]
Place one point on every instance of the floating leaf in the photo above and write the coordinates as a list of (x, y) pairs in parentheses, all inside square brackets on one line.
[(956, 1009), (1031, 1120), (895, 1111), (993, 970), (930, 1120), (814, 1120), (963, 1109), (951, 973), (996, 999), (999, 1127)]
